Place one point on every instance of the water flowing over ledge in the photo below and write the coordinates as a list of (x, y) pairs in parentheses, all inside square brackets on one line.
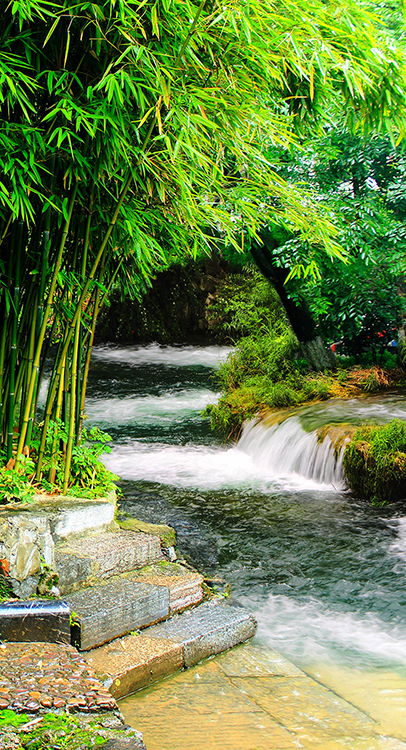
[(286, 449), (265, 458)]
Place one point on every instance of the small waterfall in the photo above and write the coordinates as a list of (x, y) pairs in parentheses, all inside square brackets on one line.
[(285, 449)]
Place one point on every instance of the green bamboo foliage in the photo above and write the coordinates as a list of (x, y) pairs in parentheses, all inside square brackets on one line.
[(133, 133)]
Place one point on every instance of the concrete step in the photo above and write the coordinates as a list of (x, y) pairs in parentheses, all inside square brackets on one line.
[(134, 600), (81, 560), (133, 662)]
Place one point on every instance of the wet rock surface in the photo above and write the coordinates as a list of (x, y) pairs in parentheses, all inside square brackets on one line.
[(35, 620), (37, 677)]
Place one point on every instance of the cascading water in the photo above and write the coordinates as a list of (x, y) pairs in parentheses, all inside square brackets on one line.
[(288, 451), (323, 571)]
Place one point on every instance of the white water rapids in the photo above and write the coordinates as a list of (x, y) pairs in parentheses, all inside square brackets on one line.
[(264, 458)]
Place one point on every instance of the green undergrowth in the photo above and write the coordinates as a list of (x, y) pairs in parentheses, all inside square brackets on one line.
[(375, 462), (262, 374), (53, 731), (6, 589), (88, 476), (265, 373)]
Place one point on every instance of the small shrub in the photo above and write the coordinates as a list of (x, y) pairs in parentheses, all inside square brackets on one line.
[(88, 476)]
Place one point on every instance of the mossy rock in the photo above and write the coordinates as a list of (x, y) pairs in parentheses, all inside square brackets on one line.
[(166, 533), (339, 433), (375, 462)]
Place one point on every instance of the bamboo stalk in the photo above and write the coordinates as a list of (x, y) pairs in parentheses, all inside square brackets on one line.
[(72, 409), (13, 334), (41, 336), (79, 307), (87, 363), (3, 337), (191, 31), (53, 465)]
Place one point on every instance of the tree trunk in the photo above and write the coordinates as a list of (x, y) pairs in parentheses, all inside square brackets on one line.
[(300, 318)]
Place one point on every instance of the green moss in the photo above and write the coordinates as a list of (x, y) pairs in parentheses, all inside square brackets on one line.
[(375, 462), (166, 533), (59, 731)]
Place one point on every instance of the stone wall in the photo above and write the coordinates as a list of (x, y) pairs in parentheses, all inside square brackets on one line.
[(28, 535)]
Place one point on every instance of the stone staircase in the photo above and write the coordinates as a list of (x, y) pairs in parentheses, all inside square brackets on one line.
[(117, 582)]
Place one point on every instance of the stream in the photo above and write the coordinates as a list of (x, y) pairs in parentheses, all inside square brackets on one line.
[(323, 571)]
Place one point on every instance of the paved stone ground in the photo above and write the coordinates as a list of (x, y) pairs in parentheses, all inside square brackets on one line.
[(37, 677), (251, 698)]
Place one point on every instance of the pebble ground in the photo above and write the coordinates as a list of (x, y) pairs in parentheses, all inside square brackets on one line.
[(39, 677)]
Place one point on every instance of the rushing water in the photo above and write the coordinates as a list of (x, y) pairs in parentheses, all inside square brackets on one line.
[(323, 571)]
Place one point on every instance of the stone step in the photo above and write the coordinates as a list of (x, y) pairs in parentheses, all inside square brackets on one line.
[(208, 629), (184, 586), (82, 560), (29, 534), (134, 600), (133, 662)]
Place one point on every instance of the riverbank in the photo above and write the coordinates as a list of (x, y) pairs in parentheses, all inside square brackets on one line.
[(322, 571), (248, 393)]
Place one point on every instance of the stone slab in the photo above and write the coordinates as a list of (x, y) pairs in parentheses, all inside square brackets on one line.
[(184, 586), (103, 556), (127, 744), (309, 710), (203, 707), (35, 620), (77, 517), (166, 533), (167, 719), (379, 692), (206, 630), (255, 660), (28, 534), (115, 608), (133, 662)]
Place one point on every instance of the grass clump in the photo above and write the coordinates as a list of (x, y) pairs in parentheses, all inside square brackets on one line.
[(264, 372), (375, 462)]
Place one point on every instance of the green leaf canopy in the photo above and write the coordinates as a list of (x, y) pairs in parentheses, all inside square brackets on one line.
[(132, 132)]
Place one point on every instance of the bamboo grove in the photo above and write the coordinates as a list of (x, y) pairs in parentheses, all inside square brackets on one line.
[(135, 132)]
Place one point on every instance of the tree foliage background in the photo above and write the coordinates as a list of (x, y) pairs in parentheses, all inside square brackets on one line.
[(133, 132)]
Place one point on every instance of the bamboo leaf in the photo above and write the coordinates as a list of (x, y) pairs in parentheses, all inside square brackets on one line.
[(51, 31)]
